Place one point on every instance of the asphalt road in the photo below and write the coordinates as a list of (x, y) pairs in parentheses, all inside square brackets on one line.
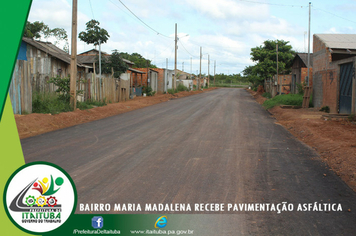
[(215, 147)]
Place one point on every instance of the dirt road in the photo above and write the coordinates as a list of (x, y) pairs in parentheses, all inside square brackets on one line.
[(215, 147)]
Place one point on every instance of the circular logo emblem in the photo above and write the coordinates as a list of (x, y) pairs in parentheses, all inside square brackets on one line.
[(39, 197)]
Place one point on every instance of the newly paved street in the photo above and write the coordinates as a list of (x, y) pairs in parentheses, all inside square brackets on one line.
[(215, 147)]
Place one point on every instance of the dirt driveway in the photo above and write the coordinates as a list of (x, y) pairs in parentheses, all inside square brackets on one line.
[(334, 140)]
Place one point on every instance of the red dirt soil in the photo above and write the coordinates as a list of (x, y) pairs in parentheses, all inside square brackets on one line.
[(35, 124), (335, 141)]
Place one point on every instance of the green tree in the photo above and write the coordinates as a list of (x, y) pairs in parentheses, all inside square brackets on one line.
[(115, 62), (94, 33), (265, 57), (251, 75), (138, 59), (34, 30), (38, 29)]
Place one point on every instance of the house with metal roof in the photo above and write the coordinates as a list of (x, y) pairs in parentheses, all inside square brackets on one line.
[(334, 58), (90, 57), (36, 63)]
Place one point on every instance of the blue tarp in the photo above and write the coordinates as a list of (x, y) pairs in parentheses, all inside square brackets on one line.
[(22, 52)]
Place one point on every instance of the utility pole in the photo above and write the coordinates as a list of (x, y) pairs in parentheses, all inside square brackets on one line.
[(191, 71), (353, 94), (280, 82), (175, 59), (208, 70), (73, 59), (200, 70), (183, 66), (309, 43), (100, 93), (166, 80), (214, 71)]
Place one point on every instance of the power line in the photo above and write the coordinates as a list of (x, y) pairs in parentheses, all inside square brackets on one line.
[(158, 33), (91, 7), (334, 14), (186, 49)]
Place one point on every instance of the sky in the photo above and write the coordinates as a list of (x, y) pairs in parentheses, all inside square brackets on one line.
[(225, 29)]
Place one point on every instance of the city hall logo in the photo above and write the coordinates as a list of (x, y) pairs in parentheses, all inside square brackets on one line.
[(39, 197)]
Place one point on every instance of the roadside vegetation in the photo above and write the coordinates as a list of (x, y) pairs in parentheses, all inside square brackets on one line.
[(51, 103), (286, 99), (179, 88), (148, 91), (266, 95), (59, 101)]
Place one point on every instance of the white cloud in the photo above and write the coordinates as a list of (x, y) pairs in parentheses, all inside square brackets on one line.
[(229, 9)]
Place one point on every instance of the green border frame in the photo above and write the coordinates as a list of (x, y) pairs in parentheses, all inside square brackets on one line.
[(31, 164), (14, 11)]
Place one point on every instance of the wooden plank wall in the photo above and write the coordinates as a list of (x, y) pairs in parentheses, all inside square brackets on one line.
[(20, 88)]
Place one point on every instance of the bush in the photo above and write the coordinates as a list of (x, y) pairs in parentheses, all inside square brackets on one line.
[(266, 95), (63, 87), (171, 91), (300, 88), (181, 87), (326, 109), (148, 91)]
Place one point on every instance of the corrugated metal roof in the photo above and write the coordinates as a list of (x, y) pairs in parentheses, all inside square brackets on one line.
[(93, 51), (51, 49), (304, 58), (338, 41), (88, 59), (136, 71), (92, 57)]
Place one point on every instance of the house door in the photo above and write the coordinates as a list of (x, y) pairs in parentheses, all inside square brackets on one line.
[(345, 88), (293, 85)]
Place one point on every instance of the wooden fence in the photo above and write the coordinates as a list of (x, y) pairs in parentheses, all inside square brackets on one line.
[(24, 83), (107, 87)]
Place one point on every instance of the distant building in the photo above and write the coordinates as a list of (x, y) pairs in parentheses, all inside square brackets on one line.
[(90, 57), (160, 80)]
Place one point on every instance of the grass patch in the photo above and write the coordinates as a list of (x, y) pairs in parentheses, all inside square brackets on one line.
[(286, 99), (48, 103), (90, 104), (52, 103)]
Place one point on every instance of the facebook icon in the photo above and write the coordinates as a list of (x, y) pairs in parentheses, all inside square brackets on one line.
[(97, 222)]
